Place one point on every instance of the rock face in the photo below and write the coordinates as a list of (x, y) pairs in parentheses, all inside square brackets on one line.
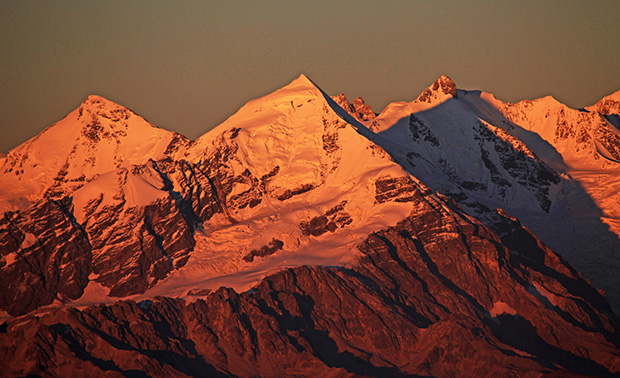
[(442, 88), (46, 255), (358, 108), (293, 241), (438, 294), (546, 164), (607, 105), (97, 137), (286, 167)]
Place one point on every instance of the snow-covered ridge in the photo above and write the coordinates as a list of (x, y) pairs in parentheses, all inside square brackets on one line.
[(98, 137), (439, 139), (292, 178), (296, 176), (552, 166), (607, 105)]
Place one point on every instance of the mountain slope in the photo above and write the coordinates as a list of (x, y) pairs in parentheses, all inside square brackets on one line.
[(608, 105), (550, 166), (287, 241), (435, 295), (284, 182), (97, 137), (288, 168), (358, 108)]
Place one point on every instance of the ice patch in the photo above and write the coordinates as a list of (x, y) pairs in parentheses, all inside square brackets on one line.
[(10, 258), (139, 187), (502, 308), (94, 293), (28, 241)]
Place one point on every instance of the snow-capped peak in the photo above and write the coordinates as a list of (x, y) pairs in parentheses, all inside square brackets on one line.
[(442, 89), (98, 137), (282, 163), (101, 106), (607, 105), (301, 95), (302, 81), (99, 101)]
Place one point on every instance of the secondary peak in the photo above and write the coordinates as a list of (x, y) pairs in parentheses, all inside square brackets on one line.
[(439, 90)]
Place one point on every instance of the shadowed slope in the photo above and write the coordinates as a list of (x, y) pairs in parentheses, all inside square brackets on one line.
[(486, 155), (436, 295)]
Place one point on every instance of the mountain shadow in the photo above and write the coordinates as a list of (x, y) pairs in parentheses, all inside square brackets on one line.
[(485, 162)]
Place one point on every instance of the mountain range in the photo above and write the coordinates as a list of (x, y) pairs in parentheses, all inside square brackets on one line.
[(453, 235)]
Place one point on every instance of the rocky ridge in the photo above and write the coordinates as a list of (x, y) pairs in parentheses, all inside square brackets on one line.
[(376, 274), (438, 294), (358, 108), (550, 166), (285, 166)]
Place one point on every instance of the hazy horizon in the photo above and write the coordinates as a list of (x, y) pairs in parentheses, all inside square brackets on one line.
[(188, 66)]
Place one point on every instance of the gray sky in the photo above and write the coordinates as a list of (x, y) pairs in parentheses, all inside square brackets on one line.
[(188, 65)]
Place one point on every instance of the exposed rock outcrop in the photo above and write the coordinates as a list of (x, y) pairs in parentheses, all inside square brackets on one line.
[(436, 295)]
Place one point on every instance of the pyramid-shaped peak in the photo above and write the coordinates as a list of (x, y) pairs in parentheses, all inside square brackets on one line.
[(304, 77), (301, 86), (297, 90), (358, 102), (302, 81), (99, 101), (101, 106), (442, 89), (446, 85), (607, 105)]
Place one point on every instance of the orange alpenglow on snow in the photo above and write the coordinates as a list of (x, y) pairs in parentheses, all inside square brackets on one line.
[(309, 236)]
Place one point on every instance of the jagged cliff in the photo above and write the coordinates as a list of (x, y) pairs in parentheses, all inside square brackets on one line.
[(302, 237), (438, 294)]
